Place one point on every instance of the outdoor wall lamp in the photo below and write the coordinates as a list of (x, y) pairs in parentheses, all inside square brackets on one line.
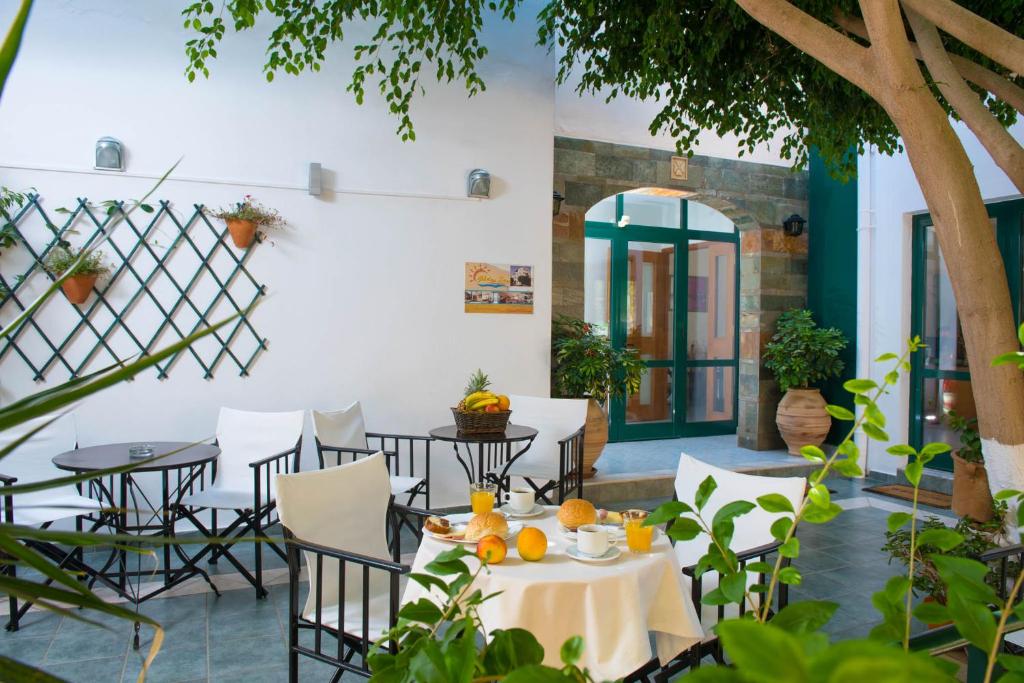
[(109, 154), (478, 184), (793, 226), (556, 205)]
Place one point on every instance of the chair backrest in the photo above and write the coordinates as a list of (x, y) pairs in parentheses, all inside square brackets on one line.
[(343, 508), (343, 428), (32, 461), (752, 529), (554, 419), (244, 437)]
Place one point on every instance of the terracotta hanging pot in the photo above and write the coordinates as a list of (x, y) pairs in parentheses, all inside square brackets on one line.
[(595, 437), (78, 287), (242, 232), (802, 419), (971, 494)]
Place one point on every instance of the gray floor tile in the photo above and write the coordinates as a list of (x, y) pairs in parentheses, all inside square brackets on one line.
[(27, 650), (243, 655), (89, 671), (81, 644), (173, 664)]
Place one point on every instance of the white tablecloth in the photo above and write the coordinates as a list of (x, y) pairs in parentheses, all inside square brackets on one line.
[(613, 606)]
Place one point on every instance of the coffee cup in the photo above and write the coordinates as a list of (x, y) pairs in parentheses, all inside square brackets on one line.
[(520, 499), (592, 540)]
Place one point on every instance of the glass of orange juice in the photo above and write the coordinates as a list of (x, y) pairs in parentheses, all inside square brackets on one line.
[(481, 496), (638, 536)]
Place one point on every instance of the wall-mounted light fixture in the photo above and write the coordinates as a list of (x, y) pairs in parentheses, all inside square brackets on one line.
[(478, 184), (109, 154), (315, 179), (794, 225), (556, 204)]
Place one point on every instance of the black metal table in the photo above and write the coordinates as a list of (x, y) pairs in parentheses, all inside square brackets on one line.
[(181, 471), (492, 450)]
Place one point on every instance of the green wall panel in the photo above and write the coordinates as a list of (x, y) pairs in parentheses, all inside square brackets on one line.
[(832, 270)]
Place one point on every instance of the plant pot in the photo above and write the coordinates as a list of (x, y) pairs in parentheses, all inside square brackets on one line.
[(802, 419), (78, 287), (932, 598), (595, 437), (971, 494), (242, 232)]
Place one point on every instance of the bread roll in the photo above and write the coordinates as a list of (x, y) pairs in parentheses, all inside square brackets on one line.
[(576, 512), (438, 525), (486, 524)]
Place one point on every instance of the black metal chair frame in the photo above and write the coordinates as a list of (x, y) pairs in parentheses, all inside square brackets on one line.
[(257, 518), (73, 560), (393, 457), (348, 645), (570, 471)]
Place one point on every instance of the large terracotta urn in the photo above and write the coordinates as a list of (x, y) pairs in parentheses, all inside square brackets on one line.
[(595, 437), (802, 419), (971, 494)]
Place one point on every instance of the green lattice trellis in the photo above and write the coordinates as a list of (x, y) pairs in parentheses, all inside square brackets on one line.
[(139, 267)]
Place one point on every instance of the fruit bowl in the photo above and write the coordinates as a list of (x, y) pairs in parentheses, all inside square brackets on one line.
[(476, 422)]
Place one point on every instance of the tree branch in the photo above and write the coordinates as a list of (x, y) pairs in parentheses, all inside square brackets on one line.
[(972, 30), (820, 41), (1006, 151), (1002, 88)]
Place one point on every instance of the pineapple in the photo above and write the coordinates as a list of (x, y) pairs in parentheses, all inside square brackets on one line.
[(478, 381)]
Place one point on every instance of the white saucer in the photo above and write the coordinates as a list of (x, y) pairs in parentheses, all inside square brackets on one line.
[(615, 532), (609, 556), (537, 511)]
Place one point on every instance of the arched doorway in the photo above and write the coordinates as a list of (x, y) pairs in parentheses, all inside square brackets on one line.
[(661, 276)]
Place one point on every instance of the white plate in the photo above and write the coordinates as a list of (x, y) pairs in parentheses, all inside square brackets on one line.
[(537, 511), (458, 523), (614, 531), (611, 555)]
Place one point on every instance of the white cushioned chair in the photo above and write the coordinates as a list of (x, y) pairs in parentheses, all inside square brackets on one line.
[(554, 461), (752, 541), (254, 447), (30, 463), (337, 518), (341, 436)]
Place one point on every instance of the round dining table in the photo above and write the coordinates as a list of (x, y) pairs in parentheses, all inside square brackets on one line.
[(493, 450), (614, 606)]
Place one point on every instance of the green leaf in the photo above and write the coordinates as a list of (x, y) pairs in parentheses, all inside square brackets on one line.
[(886, 356), (536, 673), (423, 610), (734, 586), (571, 651), (790, 576), (1007, 494), (805, 616), (974, 620), (704, 491), (509, 650), (780, 528), (16, 672), (775, 502), (812, 453), (428, 581), (931, 612), (913, 472), (819, 496), (859, 386), (821, 515), (874, 416), (684, 529), (897, 520), (760, 567), (943, 539), (790, 548), (667, 512), (773, 653), (1011, 662), (848, 467), (874, 432), (12, 42), (840, 413), (934, 449), (901, 450)]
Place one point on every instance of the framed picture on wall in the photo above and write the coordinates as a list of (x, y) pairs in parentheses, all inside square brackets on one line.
[(498, 288)]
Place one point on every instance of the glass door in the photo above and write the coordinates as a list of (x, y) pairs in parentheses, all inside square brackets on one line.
[(671, 292), (941, 376)]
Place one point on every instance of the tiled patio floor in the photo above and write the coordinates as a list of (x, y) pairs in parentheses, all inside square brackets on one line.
[(237, 638), (640, 457)]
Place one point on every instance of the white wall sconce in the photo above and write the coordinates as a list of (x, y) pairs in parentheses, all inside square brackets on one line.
[(315, 179), (109, 154), (478, 184)]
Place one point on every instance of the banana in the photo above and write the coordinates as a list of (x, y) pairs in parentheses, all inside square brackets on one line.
[(477, 396), (482, 403)]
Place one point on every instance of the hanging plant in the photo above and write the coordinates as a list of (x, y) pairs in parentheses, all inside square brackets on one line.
[(246, 218), (85, 266)]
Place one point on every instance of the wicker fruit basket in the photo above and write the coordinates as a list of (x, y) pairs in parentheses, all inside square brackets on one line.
[(476, 422)]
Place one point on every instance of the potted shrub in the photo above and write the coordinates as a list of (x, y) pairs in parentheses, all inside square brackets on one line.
[(245, 218), (801, 354), (586, 365), (79, 284), (971, 494)]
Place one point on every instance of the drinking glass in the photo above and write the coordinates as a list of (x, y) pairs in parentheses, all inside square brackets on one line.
[(638, 537), (481, 497)]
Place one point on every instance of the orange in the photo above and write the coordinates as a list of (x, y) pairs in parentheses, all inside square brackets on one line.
[(491, 548), (503, 402), (532, 544)]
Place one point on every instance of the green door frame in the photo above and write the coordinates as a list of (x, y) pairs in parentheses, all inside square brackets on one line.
[(680, 238), (1009, 216)]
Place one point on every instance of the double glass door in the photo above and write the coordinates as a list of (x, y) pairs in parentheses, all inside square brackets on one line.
[(941, 374), (661, 278)]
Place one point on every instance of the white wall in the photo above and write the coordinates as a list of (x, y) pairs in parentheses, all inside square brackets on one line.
[(365, 290), (889, 196)]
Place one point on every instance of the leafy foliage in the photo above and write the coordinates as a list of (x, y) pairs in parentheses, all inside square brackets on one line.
[(587, 365), (66, 259), (970, 439), (250, 210), (801, 354), (440, 638)]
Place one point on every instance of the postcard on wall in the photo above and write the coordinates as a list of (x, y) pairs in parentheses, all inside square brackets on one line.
[(498, 288)]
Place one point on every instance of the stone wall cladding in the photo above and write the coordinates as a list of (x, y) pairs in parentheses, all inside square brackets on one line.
[(757, 197)]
